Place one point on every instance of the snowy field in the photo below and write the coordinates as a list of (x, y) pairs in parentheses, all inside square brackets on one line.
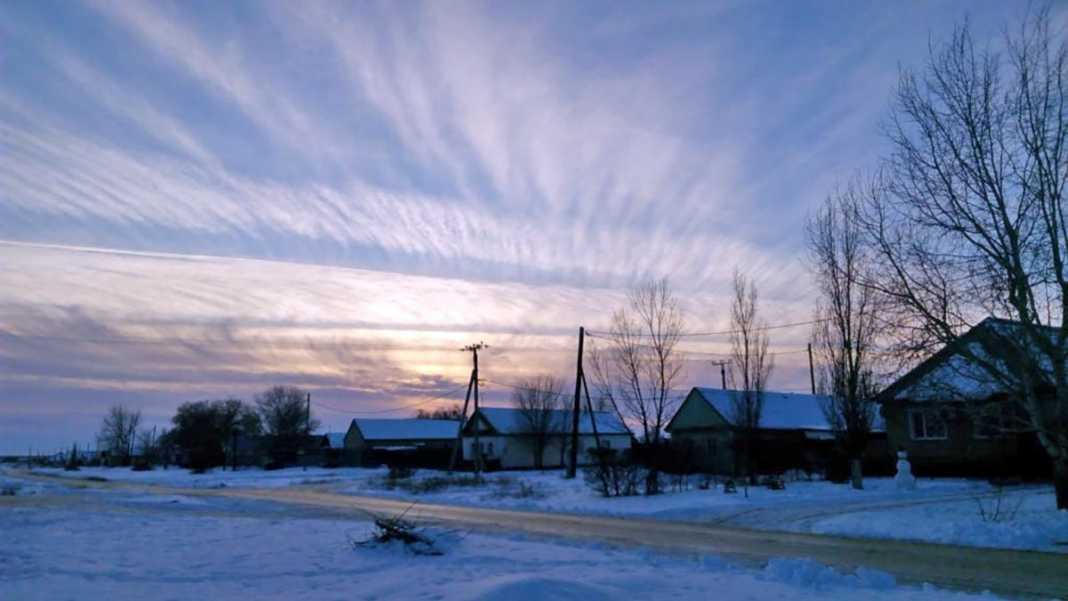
[(942, 510), (115, 545)]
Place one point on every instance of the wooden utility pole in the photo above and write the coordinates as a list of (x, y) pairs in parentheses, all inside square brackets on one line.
[(474, 348), (307, 415), (593, 417), (457, 449), (572, 466), (811, 369), (722, 373)]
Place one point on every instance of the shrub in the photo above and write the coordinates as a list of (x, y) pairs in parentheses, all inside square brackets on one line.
[(141, 465), (9, 490), (611, 476)]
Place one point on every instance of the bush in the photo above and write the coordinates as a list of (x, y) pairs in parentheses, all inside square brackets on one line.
[(141, 465), (9, 490), (610, 476)]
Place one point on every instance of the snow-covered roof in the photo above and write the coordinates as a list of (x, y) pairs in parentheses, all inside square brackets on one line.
[(781, 411), (507, 420), (407, 429), (336, 439), (950, 374)]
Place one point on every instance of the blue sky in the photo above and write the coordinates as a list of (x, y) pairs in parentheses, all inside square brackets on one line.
[(201, 199)]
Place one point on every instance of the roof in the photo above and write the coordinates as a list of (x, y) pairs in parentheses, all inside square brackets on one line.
[(781, 411), (407, 429), (336, 439), (507, 420), (949, 373)]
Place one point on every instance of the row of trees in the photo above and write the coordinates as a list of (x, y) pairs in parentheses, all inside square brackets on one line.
[(207, 432)]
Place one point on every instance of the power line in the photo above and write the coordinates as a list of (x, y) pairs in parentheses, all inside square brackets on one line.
[(603, 334), (392, 409)]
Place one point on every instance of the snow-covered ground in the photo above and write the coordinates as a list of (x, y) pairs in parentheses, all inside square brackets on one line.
[(116, 545), (949, 512)]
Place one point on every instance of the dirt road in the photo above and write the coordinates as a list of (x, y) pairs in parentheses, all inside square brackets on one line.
[(1019, 574)]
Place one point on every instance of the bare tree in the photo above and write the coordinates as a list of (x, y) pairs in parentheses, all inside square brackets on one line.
[(452, 412), (847, 324), (638, 367), (284, 411), (148, 446), (750, 366), (286, 415), (973, 220), (539, 404), (118, 432)]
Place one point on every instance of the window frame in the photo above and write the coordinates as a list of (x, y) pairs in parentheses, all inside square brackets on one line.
[(926, 415)]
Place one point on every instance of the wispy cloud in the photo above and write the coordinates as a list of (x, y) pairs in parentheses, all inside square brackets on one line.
[(409, 177)]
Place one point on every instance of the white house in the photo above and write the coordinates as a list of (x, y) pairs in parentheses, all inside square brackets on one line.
[(506, 437)]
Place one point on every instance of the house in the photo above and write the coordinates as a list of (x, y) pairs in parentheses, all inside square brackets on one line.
[(415, 442), (335, 440), (794, 432), (954, 419), (507, 441)]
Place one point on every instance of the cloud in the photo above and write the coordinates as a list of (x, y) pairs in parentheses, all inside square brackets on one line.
[(325, 179)]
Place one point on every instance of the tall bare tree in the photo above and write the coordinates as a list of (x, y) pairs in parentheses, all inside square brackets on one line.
[(847, 320), (538, 400), (973, 220), (286, 415), (750, 366), (118, 433), (284, 411), (638, 367)]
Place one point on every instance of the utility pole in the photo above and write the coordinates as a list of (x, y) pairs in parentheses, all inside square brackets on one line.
[(722, 373), (457, 449), (572, 466), (811, 369), (474, 348), (307, 415)]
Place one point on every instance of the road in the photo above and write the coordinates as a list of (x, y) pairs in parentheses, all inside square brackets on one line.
[(1016, 574)]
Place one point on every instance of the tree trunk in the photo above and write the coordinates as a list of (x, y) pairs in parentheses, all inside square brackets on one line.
[(1060, 481), (857, 473)]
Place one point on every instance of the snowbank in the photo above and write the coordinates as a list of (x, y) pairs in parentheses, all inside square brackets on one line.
[(1033, 523)]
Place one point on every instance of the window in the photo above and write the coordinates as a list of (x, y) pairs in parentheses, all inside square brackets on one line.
[(998, 419), (926, 424)]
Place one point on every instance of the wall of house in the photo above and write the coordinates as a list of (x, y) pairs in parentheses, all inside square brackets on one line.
[(712, 448), (517, 451), (961, 452)]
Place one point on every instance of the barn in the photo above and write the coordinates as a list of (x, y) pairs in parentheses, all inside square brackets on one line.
[(414, 442)]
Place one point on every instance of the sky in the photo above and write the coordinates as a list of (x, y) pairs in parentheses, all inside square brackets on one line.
[(203, 199)]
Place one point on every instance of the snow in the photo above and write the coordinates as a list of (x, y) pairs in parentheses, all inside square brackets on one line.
[(511, 421), (1035, 525), (407, 429), (244, 550), (781, 410), (939, 510), (336, 440)]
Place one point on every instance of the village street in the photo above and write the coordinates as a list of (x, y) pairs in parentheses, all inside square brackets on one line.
[(1016, 574)]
